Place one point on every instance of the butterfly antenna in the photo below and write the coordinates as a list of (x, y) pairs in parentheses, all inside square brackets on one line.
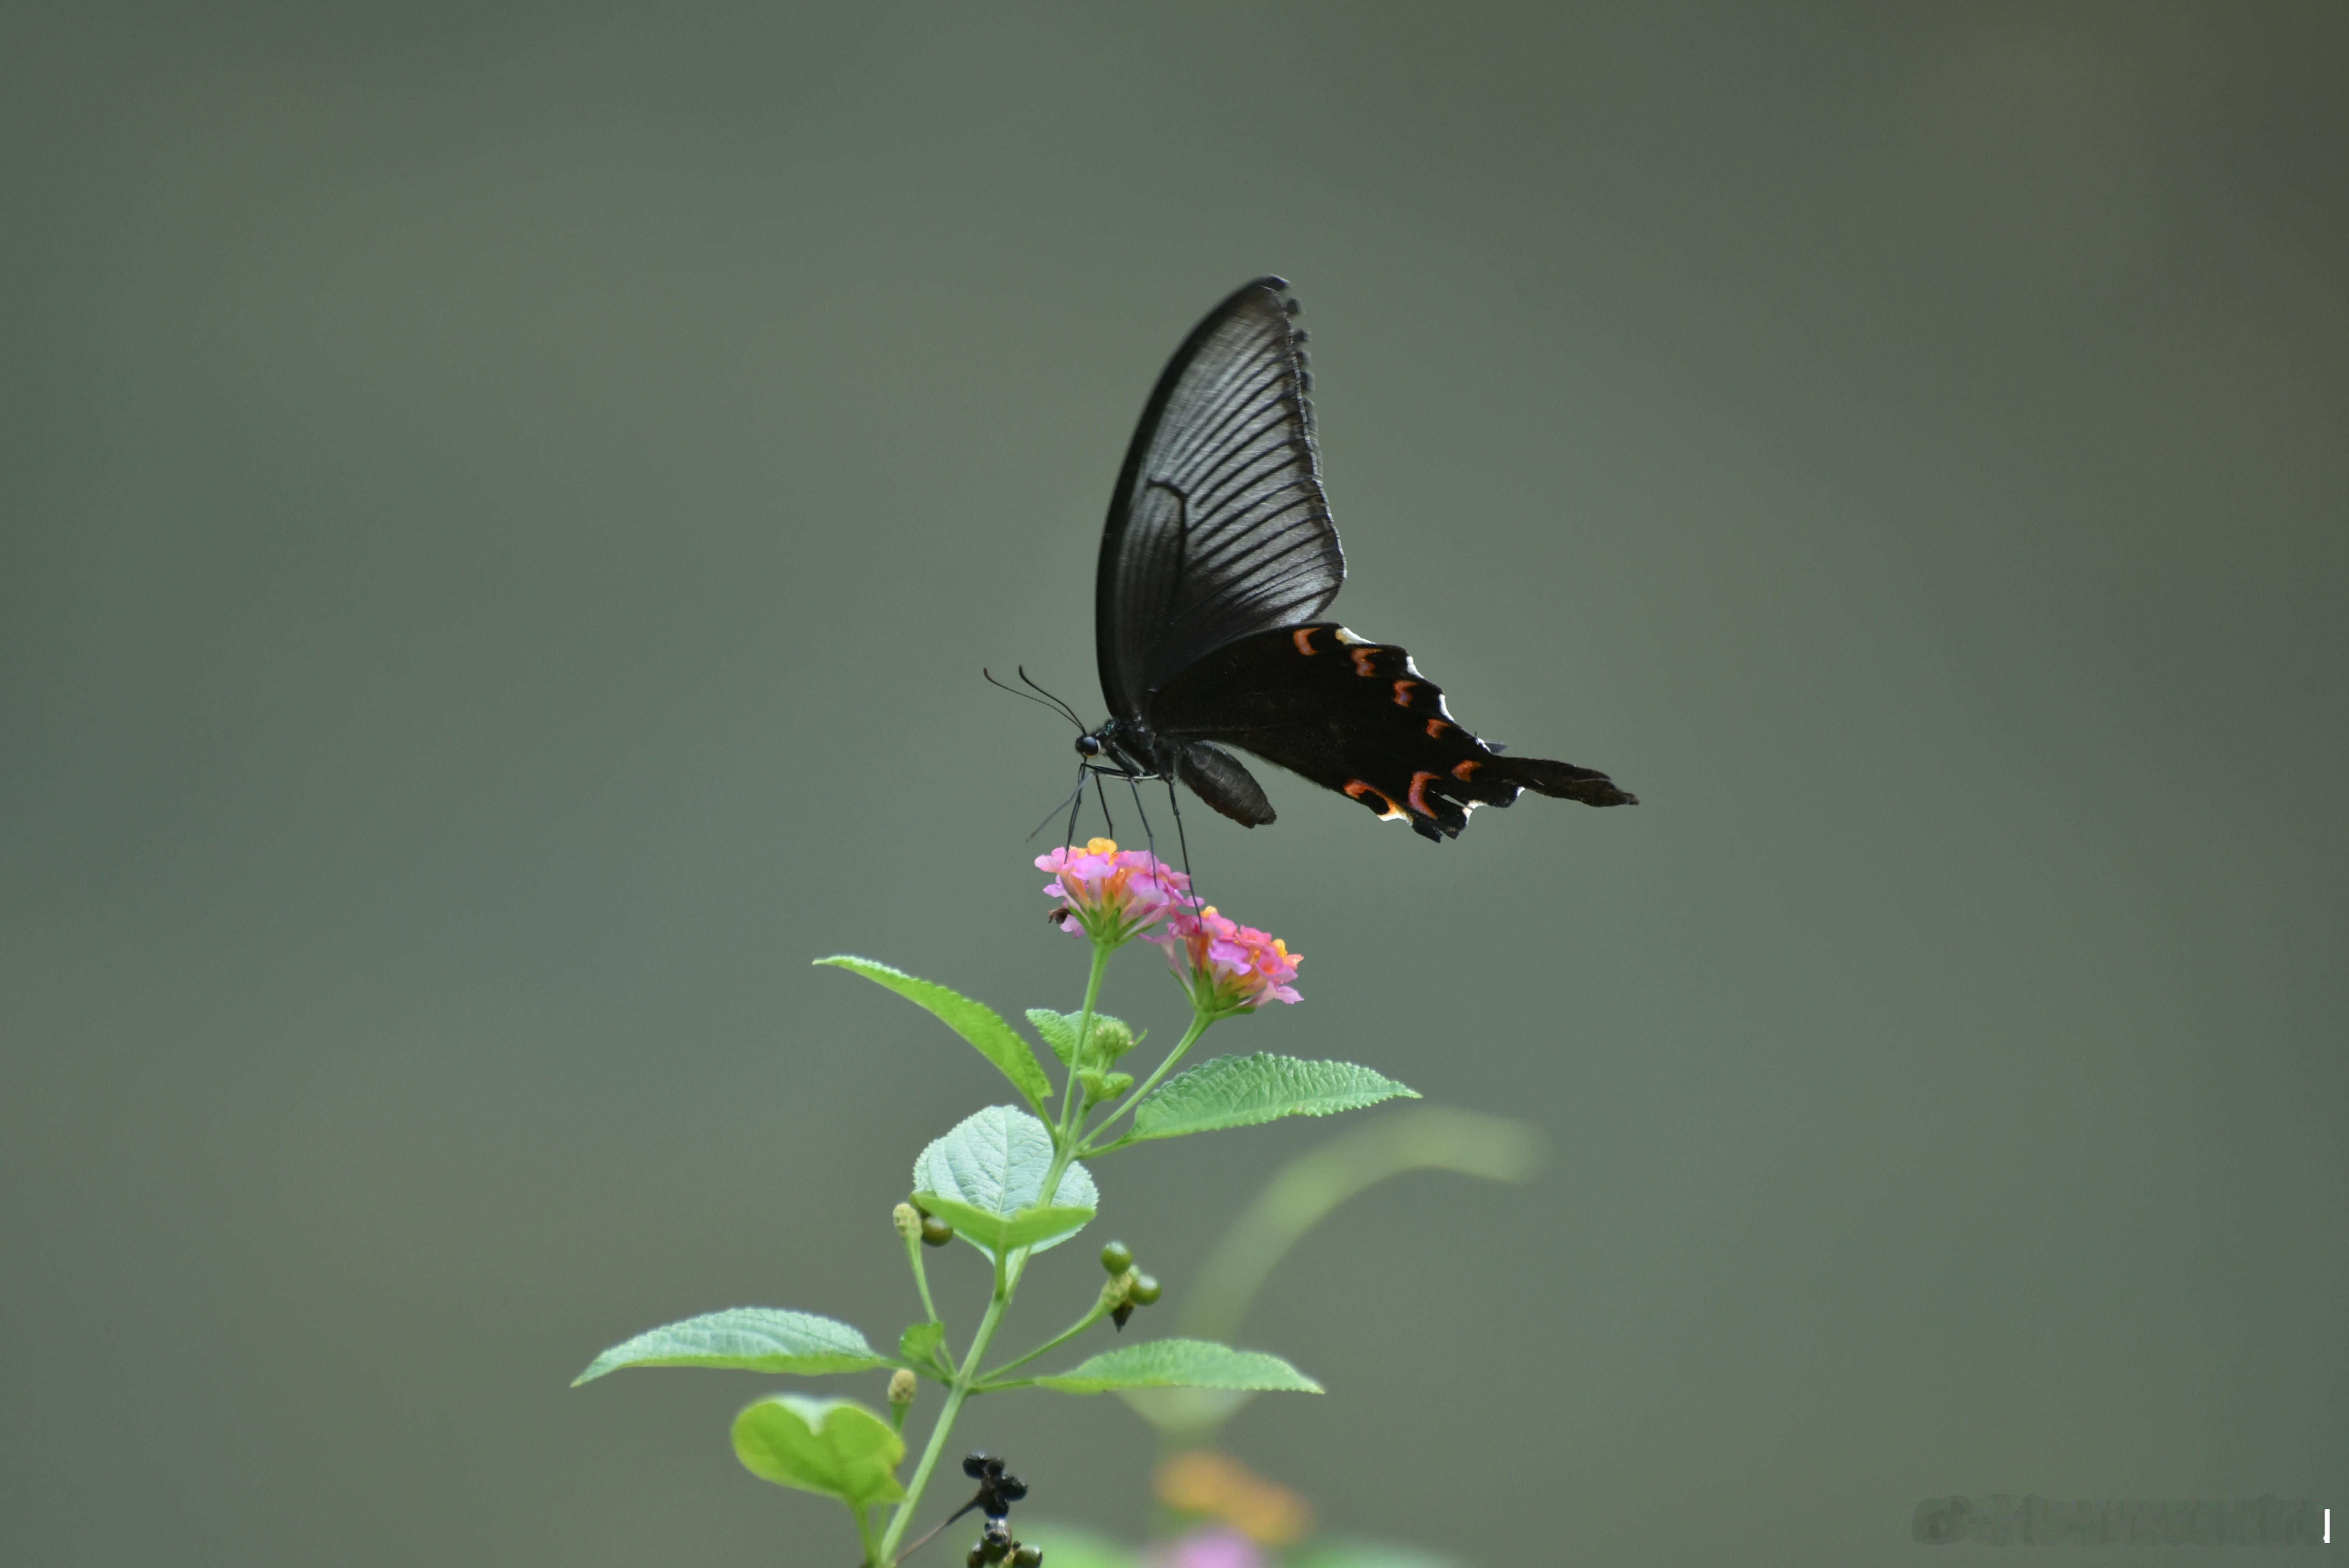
[(1066, 712), (1055, 704)]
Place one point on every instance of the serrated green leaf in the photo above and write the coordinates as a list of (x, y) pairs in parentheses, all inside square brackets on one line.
[(995, 1161), (746, 1339), (921, 1342), (1111, 1037), (974, 1021), (1241, 1091), (1181, 1364), (835, 1447), (1057, 1030), (1005, 1232)]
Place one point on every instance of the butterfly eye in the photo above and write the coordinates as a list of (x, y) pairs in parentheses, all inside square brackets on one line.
[(1089, 745)]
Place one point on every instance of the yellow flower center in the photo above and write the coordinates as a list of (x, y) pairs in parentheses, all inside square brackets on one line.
[(1100, 847)]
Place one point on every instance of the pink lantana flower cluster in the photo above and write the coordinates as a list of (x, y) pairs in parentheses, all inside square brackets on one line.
[(1111, 894), (1228, 967)]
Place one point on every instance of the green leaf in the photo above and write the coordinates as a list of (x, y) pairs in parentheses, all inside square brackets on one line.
[(1181, 1364), (1111, 1038), (1241, 1091), (1005, 1233), (920, 1343), (1057, 1030), (746, 1339), (974, 1021), (995, 1162), (835, 1447)]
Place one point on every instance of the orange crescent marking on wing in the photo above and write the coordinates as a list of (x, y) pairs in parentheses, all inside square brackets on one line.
[(1435, 728), (1357, 788), (1363, 658), (1402, 693), (1419, 781), (1303, 639), (1466, 769)]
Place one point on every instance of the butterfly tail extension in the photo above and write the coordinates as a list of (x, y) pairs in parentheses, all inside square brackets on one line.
[(1560, 780)]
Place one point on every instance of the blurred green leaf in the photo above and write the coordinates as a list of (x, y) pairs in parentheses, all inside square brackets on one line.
[(1181, 1364), (1241, 1091), (1066, 1546), (746, 1339), (974, 1021), (835, 1447), (1181, 1412), (995, 1161), (1326, 1554)]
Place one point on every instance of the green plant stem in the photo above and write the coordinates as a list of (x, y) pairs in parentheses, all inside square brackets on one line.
[(1200, 1024), (1100, 1310), (966, 1378), (921, 1276), (1069, 1114)]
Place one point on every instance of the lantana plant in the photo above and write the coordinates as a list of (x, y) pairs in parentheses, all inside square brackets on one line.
[(1011, 1181)]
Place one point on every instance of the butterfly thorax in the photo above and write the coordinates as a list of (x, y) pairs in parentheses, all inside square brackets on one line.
[(1129, 746)]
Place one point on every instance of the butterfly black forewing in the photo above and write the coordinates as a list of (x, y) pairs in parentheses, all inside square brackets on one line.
[(1219, 556), (1218, 526)]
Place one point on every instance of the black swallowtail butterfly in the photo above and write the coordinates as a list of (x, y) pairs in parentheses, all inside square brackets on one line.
[(1216, 563)]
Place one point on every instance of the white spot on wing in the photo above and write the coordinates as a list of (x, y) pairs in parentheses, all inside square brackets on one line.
[(1346, 634)]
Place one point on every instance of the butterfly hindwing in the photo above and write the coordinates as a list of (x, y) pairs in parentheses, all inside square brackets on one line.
[(1359, 718), (1218, 526)]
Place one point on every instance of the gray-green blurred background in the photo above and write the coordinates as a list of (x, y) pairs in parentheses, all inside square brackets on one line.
[(504, 508)]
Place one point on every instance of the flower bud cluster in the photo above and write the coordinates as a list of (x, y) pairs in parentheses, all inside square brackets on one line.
[(913, 1220), (1127, 1288)]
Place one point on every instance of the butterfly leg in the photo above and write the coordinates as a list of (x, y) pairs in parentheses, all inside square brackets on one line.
[(1076, 804), (1182, 845), (1109, 825)]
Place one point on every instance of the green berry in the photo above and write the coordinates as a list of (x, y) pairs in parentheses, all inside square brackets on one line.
[(1028, 1557), (935, 1232), (1145, 1290), (1117, 1257)]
